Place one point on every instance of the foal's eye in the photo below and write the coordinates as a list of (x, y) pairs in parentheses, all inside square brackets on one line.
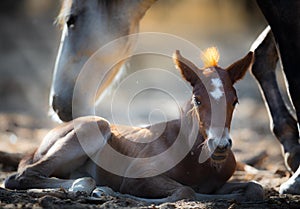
[(71, 20), (196, 101)]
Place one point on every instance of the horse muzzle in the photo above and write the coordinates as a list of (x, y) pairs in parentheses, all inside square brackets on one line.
[(62, 108), (220, 153)]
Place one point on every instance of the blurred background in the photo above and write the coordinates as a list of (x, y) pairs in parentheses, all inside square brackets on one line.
[(29, 41)]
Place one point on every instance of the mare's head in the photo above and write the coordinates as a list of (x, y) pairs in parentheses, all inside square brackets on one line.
[(214, 98), (88, 25)]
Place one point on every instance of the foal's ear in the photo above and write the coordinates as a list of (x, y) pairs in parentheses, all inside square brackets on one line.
[(186, 68), (238, 69)]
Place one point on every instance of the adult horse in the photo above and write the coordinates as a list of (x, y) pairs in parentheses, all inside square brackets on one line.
[(89, 25)]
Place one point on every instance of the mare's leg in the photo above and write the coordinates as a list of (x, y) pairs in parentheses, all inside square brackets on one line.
[(283, 17), (61, 153), (292, 185), (285, 25), (284, 125)]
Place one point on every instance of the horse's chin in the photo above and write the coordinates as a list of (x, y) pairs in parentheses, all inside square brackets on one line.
[(219, 157), (216, 157)]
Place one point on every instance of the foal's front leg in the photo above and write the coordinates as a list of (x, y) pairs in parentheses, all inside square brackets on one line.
[(242, 192), (61, 153), (160, 189)]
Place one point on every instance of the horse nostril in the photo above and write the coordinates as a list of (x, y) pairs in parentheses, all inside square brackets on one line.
[(224, 147), (230, 143), (62, 108), (54, 103)]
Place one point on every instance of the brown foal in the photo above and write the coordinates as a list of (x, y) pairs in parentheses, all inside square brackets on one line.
[(76, 157)]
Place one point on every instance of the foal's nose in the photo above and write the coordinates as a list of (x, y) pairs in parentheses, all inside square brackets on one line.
[(220, 145), (62, 108), (224, 145)]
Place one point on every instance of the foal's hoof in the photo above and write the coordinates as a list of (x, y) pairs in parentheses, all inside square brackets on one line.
[(85, 184), (11, 182), (102, 191), (291, 186)]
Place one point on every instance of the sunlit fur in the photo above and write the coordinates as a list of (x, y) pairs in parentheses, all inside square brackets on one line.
[(60, 19), (210, 57)]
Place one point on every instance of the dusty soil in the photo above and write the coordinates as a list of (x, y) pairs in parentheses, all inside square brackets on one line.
[(21, 133)]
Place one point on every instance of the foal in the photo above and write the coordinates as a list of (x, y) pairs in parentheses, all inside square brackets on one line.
[(197, 168)]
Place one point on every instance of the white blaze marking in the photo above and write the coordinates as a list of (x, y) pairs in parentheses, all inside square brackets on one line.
[(217, 93)]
